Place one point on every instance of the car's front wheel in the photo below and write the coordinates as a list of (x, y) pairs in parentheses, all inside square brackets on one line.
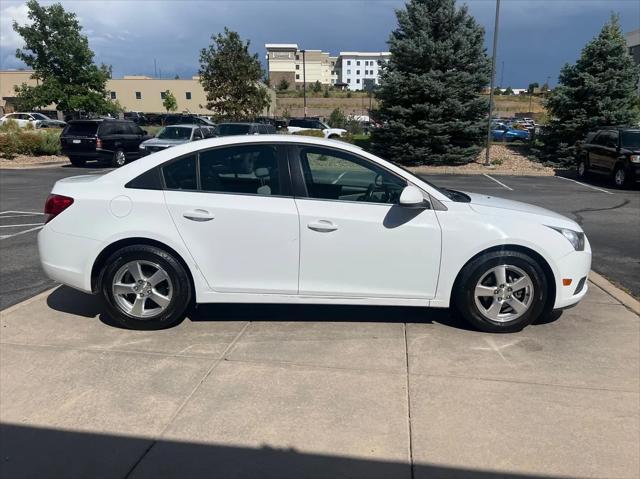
[(582, 168), (501, 292), (620, 176), (145, 287)]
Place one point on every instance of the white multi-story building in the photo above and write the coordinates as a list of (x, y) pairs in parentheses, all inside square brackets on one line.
[(359, 69), (286, 61)]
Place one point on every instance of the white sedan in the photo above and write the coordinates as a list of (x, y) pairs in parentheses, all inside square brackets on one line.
[(285, 219)]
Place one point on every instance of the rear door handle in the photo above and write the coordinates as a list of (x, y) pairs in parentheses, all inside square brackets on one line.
[(323, 226), (198, 215)]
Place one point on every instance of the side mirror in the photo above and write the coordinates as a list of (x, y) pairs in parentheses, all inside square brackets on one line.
[(412, 197)]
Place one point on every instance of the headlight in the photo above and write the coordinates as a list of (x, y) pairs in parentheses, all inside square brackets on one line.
[(142, 147), (575, 238), (635, 158)]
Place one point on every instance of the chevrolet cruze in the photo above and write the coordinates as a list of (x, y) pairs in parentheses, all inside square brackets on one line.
[(288, 219)]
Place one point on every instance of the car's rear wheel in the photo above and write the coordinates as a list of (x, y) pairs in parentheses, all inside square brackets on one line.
[(75, 161), (119, 158), (620, 176), (145, 287), (501, 292)]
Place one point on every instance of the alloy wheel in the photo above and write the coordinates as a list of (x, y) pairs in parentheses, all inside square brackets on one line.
[(619, 177), (120, 158), (504, 293), (142, 289)]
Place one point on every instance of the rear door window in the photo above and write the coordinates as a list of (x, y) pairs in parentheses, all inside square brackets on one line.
[(247, 169)]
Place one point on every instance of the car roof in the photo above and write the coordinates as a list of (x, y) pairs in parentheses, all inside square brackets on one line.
[(239, 123), (185, 125)]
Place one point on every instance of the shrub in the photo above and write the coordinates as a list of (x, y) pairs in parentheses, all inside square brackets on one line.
[(27, 141), (315, 133)]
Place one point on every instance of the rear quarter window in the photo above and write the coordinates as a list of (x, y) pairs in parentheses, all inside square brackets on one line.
[(81, 129)]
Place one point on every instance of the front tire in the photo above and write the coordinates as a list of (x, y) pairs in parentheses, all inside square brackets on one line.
[(145, 287), (582, 169), (501, 292), (620, 178)]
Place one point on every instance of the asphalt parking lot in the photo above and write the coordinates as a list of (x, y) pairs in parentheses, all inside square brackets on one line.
[(610, 217), (319, 391)]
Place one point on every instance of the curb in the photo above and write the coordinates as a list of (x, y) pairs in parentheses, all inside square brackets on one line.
[(34, 166), (28, 301), (625, 298)]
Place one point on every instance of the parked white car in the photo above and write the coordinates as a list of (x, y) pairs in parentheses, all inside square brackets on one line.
[(22, 119), (300, 124), (286, 219)]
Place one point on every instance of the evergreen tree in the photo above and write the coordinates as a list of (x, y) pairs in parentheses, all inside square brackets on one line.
[(431, 105), (317, 87), (497, 91), (59, 54), (231, 77), (600, 89), (283, 85), (509, 91)]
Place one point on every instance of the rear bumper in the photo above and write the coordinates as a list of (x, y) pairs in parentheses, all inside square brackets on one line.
[(84, 154), (66, 258)]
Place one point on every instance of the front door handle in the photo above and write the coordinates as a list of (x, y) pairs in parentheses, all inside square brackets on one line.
[(198, 215), (323, 226)]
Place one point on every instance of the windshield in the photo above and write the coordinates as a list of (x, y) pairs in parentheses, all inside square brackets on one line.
[(453, 195), (630, 139), (174, 133), (229, 129), (40, 116)]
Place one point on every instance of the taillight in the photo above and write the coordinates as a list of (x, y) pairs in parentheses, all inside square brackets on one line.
[(98, 143), (55, 205)]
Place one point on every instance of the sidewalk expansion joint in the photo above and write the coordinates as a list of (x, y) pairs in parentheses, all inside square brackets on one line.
[(214, 364)]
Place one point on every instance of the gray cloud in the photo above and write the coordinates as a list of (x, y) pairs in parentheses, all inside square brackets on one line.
[(537, 36)]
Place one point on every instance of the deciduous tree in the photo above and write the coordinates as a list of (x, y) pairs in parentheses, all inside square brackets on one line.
[(59, 54), (231, 78), (169, 101)]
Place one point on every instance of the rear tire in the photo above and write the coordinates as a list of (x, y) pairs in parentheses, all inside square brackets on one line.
[(119, 158), (486, 302), (79, 162), (144, 287)]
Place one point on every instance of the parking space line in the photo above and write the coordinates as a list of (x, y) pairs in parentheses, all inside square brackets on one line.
[(22, 212), (499, 182), (23, 224), (3, 237), (584, 184)]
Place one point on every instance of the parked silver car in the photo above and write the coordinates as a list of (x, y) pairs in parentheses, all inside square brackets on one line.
[(173, 135)]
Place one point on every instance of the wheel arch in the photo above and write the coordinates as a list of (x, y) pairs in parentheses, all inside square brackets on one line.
[(544, 264), (102, 257)]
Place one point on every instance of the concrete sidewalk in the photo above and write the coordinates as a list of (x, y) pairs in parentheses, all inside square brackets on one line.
[(314, 391)]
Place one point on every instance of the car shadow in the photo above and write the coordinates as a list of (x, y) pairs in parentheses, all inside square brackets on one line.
[(71, 301)]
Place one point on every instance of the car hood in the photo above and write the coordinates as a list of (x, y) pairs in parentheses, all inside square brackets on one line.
[(492, 205), (163, 142)]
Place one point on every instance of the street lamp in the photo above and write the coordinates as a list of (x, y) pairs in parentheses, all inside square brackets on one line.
[(304, 83), (493, 76)]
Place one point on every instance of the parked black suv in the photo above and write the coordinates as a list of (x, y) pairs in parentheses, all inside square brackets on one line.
[(613, 151), (115, 141)]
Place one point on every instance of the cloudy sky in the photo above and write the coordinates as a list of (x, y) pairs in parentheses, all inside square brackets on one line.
[(536, 36)]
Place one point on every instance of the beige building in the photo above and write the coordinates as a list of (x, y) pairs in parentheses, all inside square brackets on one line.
[(133, 93), (287, 61)]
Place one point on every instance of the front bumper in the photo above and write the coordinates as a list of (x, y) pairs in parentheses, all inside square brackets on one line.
[(574, 266)]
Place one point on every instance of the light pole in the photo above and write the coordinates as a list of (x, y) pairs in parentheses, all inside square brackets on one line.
[(493, 76), (304, 83)]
